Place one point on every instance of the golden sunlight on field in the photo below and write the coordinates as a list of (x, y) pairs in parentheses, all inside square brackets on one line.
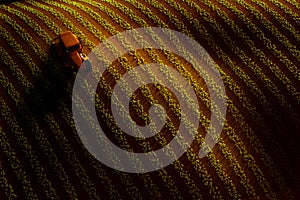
[(255, 46)]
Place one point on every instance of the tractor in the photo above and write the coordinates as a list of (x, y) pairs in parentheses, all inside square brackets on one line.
[(67, 48)]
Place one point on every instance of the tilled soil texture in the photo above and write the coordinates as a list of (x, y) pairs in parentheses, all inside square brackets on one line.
[(255, 45)]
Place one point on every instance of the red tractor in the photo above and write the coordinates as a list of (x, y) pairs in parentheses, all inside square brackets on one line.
[(68, 49)]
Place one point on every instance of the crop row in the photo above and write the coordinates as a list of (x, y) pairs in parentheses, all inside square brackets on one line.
[(149, 53), (230, 132), (253, 138), (77, 166), (23, 142), (100, 37), (230, 63), (140, 63), (126, 179), (17, 168), (259, 53), (40, 131)]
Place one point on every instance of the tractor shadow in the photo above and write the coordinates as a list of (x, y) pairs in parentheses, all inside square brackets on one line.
[(50, 89)]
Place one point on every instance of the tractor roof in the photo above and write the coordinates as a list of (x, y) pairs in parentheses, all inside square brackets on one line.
[(69, 39)]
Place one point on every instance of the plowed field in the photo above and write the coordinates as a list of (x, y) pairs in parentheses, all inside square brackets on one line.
[(256, 47)]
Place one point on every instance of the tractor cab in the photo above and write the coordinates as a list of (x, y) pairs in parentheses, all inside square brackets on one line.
[(68, 49)]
